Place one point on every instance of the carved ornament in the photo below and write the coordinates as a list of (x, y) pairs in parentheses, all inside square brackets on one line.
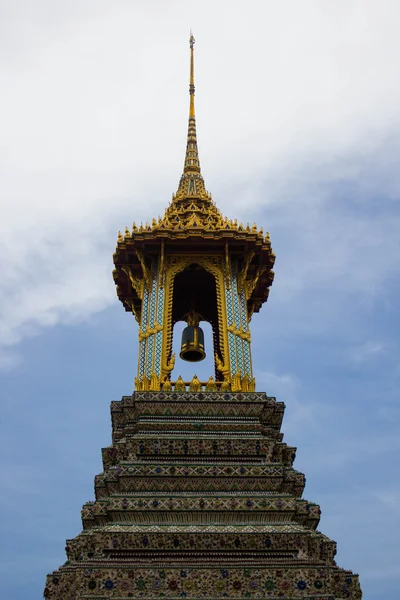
[(245, 335)]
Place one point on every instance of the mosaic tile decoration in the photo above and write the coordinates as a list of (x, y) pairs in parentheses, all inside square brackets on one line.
[(199, 499)]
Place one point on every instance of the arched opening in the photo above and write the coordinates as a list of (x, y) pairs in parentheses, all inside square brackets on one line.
[(195, 290)]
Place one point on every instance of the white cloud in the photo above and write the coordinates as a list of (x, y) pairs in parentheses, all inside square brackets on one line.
[(93, 117)]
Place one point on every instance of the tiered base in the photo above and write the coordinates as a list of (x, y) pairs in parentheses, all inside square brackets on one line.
[(199, 499)]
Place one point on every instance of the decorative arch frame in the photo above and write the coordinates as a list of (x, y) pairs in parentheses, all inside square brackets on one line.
[(214, 264)]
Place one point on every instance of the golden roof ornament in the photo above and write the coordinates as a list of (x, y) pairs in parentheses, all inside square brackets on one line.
[(192, 211), (191, 184)]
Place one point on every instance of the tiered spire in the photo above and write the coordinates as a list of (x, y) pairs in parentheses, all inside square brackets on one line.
[(192, 183)]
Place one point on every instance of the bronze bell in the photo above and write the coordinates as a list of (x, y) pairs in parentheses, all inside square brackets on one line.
[(192, 348)]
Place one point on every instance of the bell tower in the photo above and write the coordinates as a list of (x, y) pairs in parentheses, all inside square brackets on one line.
[(198, 497), (193, 265)]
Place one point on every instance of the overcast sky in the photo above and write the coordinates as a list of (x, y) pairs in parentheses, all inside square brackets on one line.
[(298, 116)]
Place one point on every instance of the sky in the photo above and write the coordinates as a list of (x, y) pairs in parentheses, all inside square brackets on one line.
[(298, 119)]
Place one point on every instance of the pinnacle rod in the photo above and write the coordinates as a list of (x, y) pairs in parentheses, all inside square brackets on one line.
[(191, 84)]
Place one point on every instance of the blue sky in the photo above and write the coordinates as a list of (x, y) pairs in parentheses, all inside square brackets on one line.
[(298, 123)]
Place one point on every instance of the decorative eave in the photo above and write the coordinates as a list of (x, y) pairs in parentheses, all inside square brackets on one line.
[(134, 250)]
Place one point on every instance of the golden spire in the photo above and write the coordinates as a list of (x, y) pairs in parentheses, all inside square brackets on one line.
[(191, 184), (191, 84)]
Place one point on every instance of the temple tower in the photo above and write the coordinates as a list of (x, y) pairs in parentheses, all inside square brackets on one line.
[(194, 263), (198, 497)]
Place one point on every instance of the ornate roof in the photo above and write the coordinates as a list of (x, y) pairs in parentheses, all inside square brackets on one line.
[(192, 208), (191, 215)]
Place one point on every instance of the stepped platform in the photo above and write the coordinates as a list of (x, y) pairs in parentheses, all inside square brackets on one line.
[(199, 499)]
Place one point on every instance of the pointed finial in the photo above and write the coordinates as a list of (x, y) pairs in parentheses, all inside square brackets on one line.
[(191, 84), (192, 162), (191, 184)]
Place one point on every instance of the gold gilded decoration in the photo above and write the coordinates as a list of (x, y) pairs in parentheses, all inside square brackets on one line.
[(245, 335), (174, 265), (180, 385), (227, 267), (162, 271), (222, 368), (252, 385), (194, 213), (245, 384), (146, 272), (226, 386), (243, 274), (251, 309), (192, 318), (191, 184), (250, 284), (168, 366), (137, 282), (211, 386), (195, 385), (142, 384), (236, 383), (154, 382), (191, 84), (192, 231), (149, 331), (135, 312)]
